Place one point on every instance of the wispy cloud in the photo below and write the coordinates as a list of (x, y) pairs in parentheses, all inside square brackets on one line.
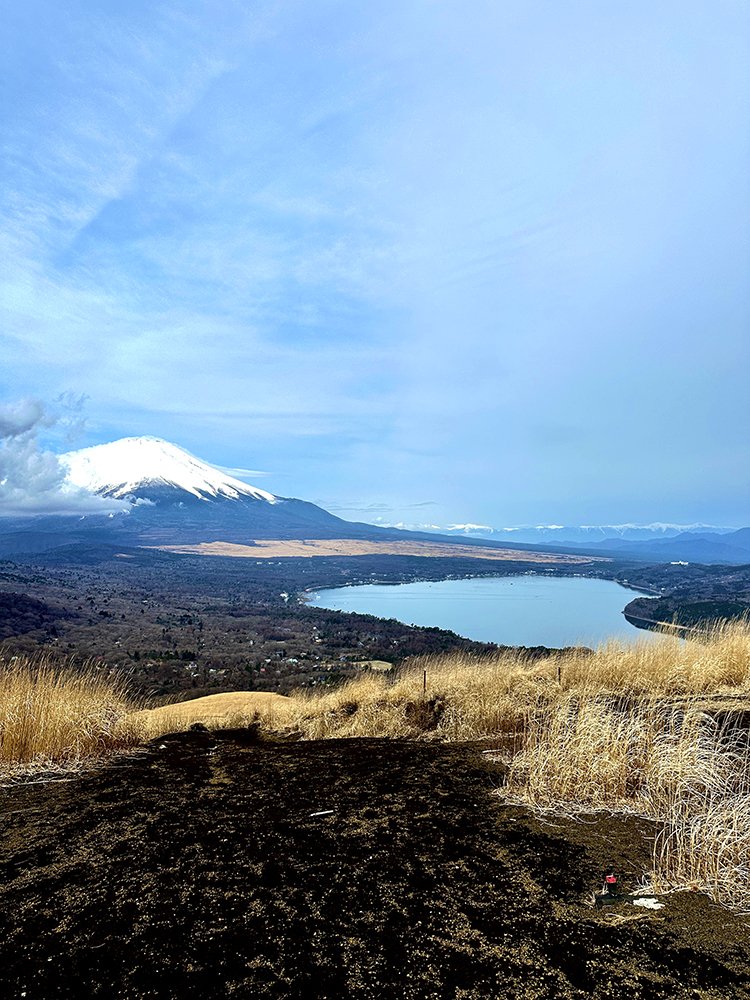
[(244, 473), (369, 510)]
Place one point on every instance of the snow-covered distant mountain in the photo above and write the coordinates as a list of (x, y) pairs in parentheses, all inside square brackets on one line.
[(585, 534), (702, 543), (145, 467)]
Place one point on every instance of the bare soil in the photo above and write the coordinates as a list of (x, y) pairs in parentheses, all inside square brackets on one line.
[(213, 865)]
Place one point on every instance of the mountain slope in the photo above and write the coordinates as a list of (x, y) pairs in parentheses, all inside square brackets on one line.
[(170, 497), (650, 542)]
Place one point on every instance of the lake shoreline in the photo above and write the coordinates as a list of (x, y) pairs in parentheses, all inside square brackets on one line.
[(587, 613)]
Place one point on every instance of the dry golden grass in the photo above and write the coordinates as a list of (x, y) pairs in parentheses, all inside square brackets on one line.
[(704, 810), (479, 697), (707, 662), (53, 714), (215, 711), (466, 698)]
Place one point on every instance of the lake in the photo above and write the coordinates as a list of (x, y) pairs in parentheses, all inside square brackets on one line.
[(510, 610)]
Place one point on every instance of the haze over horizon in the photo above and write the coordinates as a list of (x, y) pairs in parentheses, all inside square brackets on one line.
[(402, 260)]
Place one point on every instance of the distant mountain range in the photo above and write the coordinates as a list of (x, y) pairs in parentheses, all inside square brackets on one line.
[(584, 534), (707, 547), (166, 496), (657, 542)]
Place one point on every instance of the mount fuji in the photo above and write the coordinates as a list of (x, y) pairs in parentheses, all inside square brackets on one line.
[(163, 495), (173, 497), (150, 469)]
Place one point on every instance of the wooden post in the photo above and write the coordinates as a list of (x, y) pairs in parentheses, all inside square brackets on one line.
[(424, 683)]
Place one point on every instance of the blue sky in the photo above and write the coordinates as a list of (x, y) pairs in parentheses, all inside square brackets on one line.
[(420, 260)]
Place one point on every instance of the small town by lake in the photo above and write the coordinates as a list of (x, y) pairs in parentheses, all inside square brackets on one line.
[(524, 610)]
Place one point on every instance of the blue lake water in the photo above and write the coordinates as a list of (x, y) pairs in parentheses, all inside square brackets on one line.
[(510, 610)]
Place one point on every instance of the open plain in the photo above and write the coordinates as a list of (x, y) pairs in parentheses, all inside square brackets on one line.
[(280, 548)]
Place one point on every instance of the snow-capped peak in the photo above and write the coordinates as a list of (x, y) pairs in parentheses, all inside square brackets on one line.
[(131, 465)]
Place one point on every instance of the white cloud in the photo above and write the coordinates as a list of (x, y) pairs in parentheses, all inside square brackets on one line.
[(17, 419), (32, 479)]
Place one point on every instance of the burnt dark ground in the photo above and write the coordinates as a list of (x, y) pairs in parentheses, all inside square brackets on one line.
[(196, 869)]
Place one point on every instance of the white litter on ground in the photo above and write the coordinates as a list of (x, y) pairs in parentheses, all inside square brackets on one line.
[(649, 903)]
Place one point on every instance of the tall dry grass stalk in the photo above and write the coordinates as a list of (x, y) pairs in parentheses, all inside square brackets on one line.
[(716, 658), (704, 841), (477, 697), (54, 714)]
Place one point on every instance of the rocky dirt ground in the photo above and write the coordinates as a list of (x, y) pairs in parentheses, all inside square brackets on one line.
[(218, 866)]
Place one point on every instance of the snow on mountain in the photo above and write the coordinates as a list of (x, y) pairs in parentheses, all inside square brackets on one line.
[(585, 534), (558, 534), (134, 465)]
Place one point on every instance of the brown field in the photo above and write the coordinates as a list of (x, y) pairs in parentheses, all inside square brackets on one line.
[(295, 548)]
